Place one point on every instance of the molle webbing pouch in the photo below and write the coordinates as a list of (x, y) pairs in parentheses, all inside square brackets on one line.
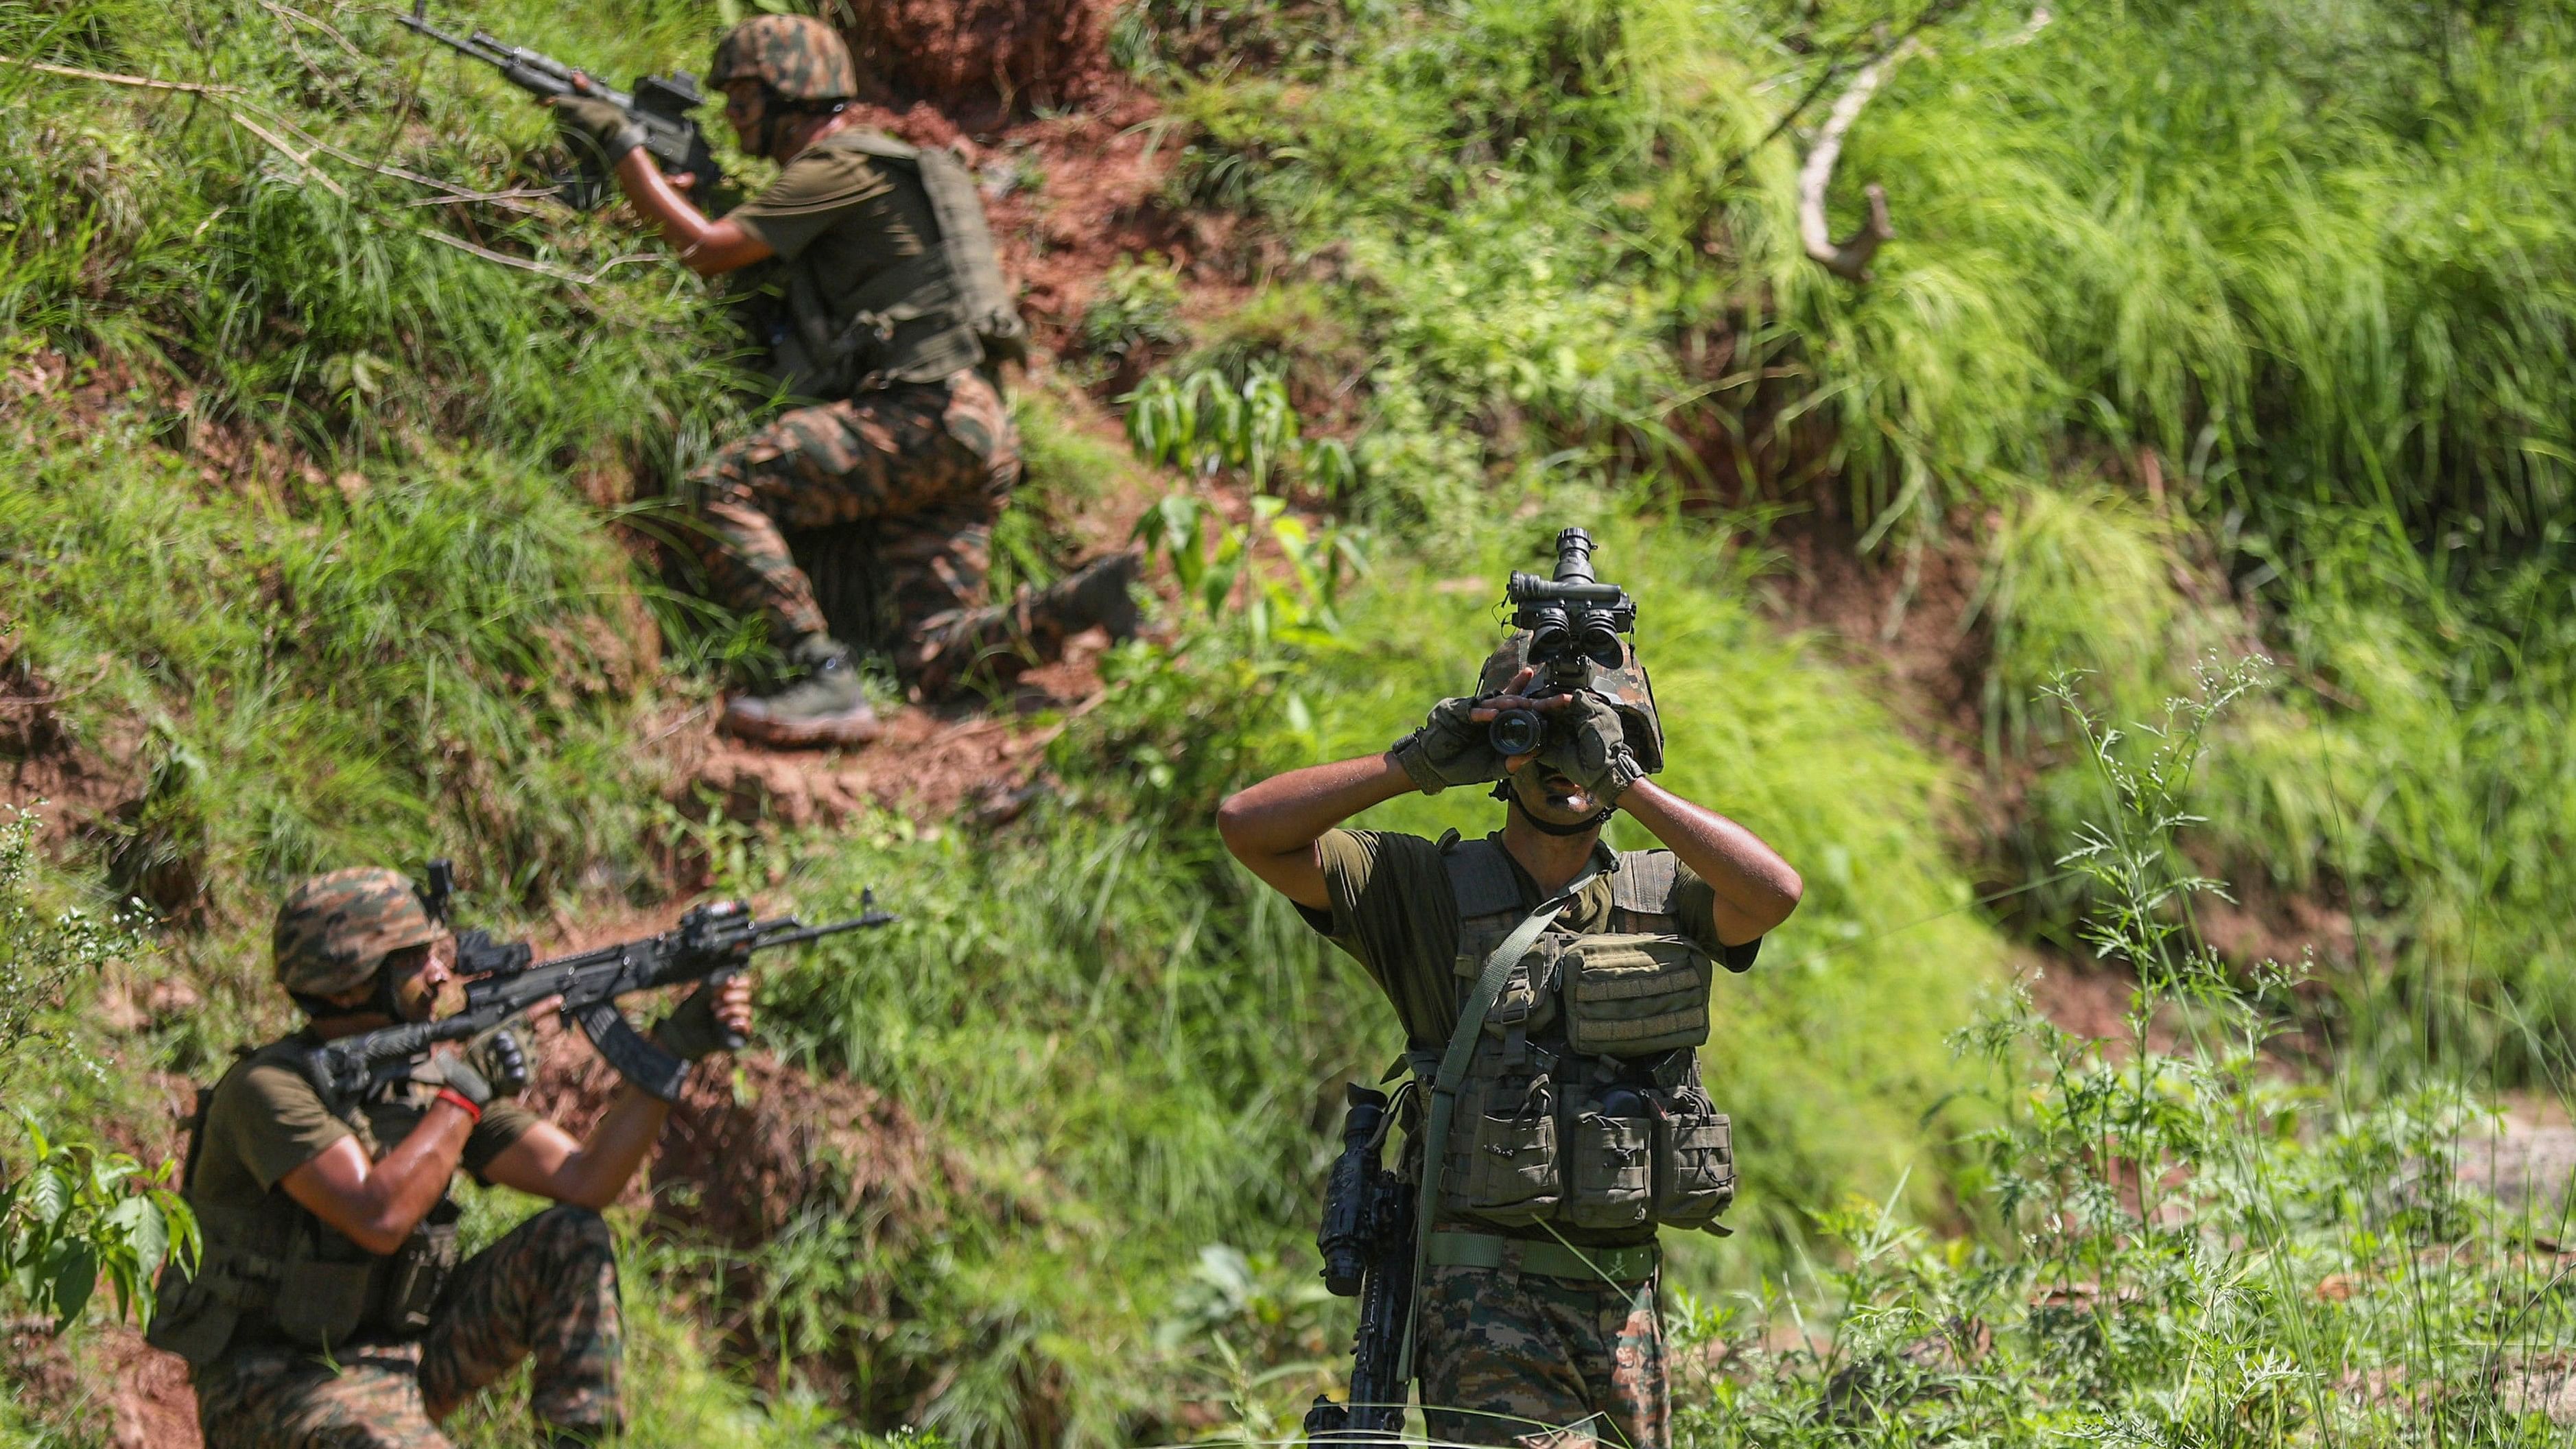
[(1694, 1153), (323, 1289), (1609, 1167), (416, 1275), (1502, 1152), (1634, 995)]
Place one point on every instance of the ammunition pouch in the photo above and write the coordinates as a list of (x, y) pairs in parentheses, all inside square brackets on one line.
[(1635, 995), (322, 1290), (1694, 1158), (416, 1276)]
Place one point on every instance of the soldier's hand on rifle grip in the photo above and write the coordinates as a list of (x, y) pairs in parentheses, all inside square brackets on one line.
[(590, 124), (715, 1017)]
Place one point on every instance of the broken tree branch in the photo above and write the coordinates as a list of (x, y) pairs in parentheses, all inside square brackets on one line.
[(1848, 259)]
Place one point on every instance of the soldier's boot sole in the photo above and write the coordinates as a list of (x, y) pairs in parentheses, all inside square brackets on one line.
[(746, 720)]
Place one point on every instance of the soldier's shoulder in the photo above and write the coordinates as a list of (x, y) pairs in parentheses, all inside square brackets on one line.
[(265, 1078)]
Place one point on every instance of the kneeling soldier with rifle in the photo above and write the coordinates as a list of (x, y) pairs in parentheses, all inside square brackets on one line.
[(1552, 993), (330, 1309)]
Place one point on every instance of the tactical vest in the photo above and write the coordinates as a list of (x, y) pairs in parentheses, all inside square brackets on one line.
[(1581, 1104), (932, 315), (275, 1273)]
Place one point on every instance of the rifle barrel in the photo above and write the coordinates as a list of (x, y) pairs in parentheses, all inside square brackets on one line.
[(798, 933)]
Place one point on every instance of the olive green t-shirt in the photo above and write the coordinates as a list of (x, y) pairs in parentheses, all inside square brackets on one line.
[(845, 214), (1394, 913), (265, 1120)]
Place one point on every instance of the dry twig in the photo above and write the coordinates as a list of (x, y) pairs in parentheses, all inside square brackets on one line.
[(302, 159), (543, 269), (112, 78)]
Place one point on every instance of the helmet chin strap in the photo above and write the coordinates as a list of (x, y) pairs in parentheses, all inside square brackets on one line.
[(1504, 792), (387, 1001)]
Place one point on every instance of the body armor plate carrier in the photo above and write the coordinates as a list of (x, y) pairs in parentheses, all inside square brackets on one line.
[(275, 1273), (941, 312), (1580, 1102)]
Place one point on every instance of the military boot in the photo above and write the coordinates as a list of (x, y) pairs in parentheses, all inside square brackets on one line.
[(995, 644), (825, 706)]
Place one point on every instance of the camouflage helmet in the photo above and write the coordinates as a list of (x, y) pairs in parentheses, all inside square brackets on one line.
[(798, 56), (334, 930), (1626, 689)]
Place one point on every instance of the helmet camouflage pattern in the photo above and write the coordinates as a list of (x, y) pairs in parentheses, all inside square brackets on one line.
[(798, 56), (334, 930), (1625, 688)]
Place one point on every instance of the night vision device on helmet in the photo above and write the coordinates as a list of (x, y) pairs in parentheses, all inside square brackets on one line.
[(1575, 631)]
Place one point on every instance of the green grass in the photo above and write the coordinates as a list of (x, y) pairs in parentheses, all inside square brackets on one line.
[(2313, 257)]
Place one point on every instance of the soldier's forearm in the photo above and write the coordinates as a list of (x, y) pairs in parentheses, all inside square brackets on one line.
[(707, 247), (376, 1204), (1272, 827), (1756, 889), (1289, 812), (599, 1170)]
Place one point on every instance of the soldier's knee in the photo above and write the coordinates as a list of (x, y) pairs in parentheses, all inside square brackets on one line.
[(572, 1229)]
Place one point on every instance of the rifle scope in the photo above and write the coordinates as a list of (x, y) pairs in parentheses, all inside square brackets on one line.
[(1347, 1237)]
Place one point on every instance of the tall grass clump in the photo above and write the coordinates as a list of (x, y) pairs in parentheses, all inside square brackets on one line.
[(2183, 1242)]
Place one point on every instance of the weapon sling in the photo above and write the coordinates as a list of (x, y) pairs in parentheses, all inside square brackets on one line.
[(1453, 1068)]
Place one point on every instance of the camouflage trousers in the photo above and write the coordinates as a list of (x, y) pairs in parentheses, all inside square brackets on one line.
[(1508, 1358), (928, 465), (548, 1290)]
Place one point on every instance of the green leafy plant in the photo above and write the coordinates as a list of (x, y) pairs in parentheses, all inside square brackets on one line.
[(73, 1214), (1221, 567), (42, 954), (1138, 307), (1207, 421)]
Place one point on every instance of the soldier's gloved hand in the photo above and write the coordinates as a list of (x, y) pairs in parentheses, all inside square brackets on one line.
[(1590, 747), (712, 1019), (589, 123), (452, 1071), (1451, 748), (500, 1061)]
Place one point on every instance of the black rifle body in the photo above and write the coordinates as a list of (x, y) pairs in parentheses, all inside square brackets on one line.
[(659, 104), (711, 944), (1367, 1244)]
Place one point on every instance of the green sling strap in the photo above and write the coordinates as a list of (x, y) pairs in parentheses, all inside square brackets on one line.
[(1453, 1069)]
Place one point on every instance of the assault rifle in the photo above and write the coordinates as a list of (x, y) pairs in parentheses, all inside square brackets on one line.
[(711, 944), (660, 104), (1367, 1243)]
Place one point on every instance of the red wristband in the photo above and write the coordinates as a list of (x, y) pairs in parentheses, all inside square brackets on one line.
[(451, 1095)]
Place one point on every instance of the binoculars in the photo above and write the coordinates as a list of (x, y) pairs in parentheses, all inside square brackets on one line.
[(1573, 622)]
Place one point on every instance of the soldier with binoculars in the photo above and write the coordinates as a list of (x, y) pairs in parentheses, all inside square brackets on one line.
[(1553, 992)]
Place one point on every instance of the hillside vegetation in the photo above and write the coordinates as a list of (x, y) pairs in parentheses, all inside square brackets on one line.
[(334, 463)]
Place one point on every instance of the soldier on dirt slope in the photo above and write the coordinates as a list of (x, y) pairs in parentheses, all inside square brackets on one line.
[(1580, 1126), (873, 307), (329, 1311)]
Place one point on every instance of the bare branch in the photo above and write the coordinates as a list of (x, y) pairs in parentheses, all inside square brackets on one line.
[(1848, 259), (302, 159), (114, 79)]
